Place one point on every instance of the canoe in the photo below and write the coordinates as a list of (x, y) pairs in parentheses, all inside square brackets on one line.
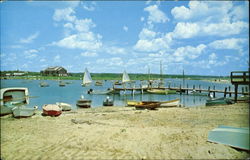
[(161, 91), (147, 105), (218, 101), (23, 111), (231, 136), (52, 110), (83, 103), (64, 106), (171, 103)]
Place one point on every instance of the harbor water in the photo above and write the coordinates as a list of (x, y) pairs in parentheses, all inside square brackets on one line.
[(72, 92)]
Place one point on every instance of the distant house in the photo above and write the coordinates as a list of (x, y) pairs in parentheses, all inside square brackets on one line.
[(54, 71)]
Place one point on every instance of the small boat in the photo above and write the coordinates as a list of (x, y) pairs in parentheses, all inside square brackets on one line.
[(132, 103), (98, 83), (108, 102), (196, 93), (64, 106), (52, 110), (171, 103), (62, 84), (231, 136), (23, 111), (147, 105), (10, 97), (44, 84), (218, 101), (108, 91), (118, 83), (83, 103), (87, 80), (161, 91)]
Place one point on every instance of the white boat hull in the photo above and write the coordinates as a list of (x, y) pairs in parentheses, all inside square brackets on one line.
[(22, 111), (173, 103)]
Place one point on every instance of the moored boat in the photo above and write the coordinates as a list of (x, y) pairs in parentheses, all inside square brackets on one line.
[(44, 84), (64, 106), (98, 83), (23, 111), (108, 91), (108, 102), (83, 103), (52, 110), (62, 84), (218, 101), (161, 91)]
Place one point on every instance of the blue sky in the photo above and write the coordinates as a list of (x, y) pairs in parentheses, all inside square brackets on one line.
[(201, 37)]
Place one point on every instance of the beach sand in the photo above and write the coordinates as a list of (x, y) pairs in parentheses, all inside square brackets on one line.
[(122, 133)]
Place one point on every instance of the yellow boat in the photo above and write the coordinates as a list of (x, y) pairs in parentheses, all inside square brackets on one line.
[(161, 91), (132, 103), (163, 104)]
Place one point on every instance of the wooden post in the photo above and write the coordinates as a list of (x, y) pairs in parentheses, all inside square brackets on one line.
[(187, 89), (214, 91), (225, 92), (236, 92), (168, 86), (229, 90), (200, 88), (208, 91), (246, 89), (243, 90), (180, 89), (193, 87)]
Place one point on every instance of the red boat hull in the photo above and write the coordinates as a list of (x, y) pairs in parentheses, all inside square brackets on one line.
[(52, 112)]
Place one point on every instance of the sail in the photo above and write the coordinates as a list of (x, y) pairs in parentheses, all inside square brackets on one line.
[(86, 78), (125, 77)]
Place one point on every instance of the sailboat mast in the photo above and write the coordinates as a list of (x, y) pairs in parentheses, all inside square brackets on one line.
[(161, 71)]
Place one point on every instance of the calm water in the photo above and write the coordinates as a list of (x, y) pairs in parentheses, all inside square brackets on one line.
[(72, 92)]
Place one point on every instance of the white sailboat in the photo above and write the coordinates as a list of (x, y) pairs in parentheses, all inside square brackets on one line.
[(125, 77), (86, 78)]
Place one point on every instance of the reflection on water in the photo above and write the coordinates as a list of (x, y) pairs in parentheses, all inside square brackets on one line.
[(72, 92)]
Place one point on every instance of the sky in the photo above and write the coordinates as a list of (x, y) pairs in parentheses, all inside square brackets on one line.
[(199, 37)]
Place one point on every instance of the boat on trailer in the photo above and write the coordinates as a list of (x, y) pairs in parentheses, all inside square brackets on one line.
[(11, 97)]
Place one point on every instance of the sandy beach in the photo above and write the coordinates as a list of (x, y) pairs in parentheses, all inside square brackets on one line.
[(122, 133)]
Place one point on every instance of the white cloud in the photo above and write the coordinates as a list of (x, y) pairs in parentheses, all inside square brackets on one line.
[(66, 14), (30, 38), (155, 14), (89, 54), (30, 54), (142, 19), (115, 61), (231, 43), (89, 6), (186, 30), (189, 52), (115, 50), (57, 59), (84, 25), (147, 34), (125, 28), (212, 58), (85, 41)]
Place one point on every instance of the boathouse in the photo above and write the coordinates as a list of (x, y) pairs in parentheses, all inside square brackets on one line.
[(54, 71)]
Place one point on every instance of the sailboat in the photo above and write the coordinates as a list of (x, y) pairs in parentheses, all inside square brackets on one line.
[(125, 77), (86, 78)]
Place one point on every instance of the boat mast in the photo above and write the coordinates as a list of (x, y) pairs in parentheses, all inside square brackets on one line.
[(161, 72), (183, 78)]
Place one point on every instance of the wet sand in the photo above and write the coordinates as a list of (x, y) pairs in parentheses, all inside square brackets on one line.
[(122, 133)]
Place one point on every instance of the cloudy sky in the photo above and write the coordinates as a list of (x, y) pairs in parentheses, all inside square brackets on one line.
[(201, 37)]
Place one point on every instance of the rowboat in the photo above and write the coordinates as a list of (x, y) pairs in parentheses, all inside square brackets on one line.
[(23, 111), (52, 110), (171, 103), (108, 102), (11, 97), (147, 105), (108, 91), (231, 136), (218, 101), (161, 91), (163, 104), (64, 106)]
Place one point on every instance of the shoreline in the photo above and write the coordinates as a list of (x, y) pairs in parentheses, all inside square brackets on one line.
[(123, 133)]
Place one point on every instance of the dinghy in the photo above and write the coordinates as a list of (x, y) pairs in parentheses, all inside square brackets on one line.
[(23, 111), (52, 110), (218, 101), (83, 103), (108, 102), (147, 105)]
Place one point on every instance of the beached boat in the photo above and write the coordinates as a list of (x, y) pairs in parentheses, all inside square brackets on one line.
[(23, 111), (83, 103), (43, 84), (87, 80), (108, 91), (10, 97), (52, 110), (108, 102), (171, 103), (62, 84), (218, 101), (64, 106), (147, 105), (231, 136), (132, 103), (98, 83), (161, 91)]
